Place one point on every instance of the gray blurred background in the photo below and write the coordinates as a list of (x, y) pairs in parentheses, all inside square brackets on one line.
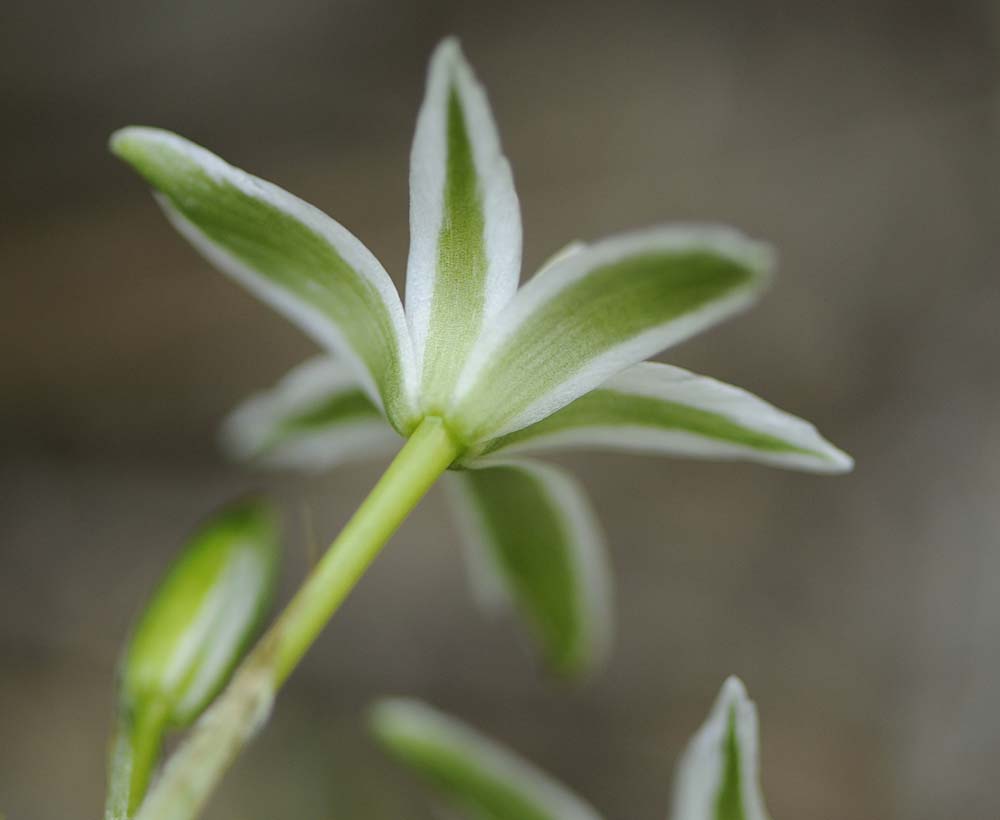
[(862, 611)]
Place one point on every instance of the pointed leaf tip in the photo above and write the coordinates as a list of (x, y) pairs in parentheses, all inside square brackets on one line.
[(718, 776), (120, 141)]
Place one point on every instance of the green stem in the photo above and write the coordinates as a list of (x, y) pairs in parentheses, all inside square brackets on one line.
[(119, 773), (199, 763)]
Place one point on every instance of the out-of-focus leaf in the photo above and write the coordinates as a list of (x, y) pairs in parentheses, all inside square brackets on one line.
[(535, 543), (315, 418), (204, 613), (477, 776)]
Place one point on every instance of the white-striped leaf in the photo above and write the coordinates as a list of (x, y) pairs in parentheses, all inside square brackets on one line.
[(597, 311), (200, 620), (718, 776), (287, 253), (477, 776), (657, 408), (315, 418), (465, 224), (535, 544)]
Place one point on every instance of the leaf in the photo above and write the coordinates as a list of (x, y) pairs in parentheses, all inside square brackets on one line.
[(657, 408), (534, 543), (718, 777), (289, 254), (465, 224), (204, 613), (481, 778), (597, 311), (315, 418)]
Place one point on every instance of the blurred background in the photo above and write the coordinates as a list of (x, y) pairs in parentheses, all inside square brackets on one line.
[(862, 611)]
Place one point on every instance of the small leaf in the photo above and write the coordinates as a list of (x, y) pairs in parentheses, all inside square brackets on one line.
[(596, 312), (465, 223), (480, 778), (289, 254), (315, 418), (718, 776), (656, 408), (203, 615), (534, 543)]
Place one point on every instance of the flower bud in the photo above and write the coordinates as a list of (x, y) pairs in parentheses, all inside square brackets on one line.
[(201, 618)]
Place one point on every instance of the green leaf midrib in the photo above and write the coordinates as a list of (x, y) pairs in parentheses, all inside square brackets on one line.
[(611, 408), (609, 306), (729, 801), (459, 290)]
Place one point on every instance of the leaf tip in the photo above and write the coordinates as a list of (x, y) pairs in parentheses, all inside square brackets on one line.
[(448, 50), (733, 690), (397, 723), (827, 458), (131, 142), (839, 461), (119, 140), (382, 715), (758, 257), (763, 257)]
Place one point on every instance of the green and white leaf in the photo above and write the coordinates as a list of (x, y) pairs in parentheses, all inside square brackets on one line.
[(718, 776), (289, 254), (315, 418), (477, 776), (204, 613), (657, 408), (596, 312), (465, 224), (535, 544)]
